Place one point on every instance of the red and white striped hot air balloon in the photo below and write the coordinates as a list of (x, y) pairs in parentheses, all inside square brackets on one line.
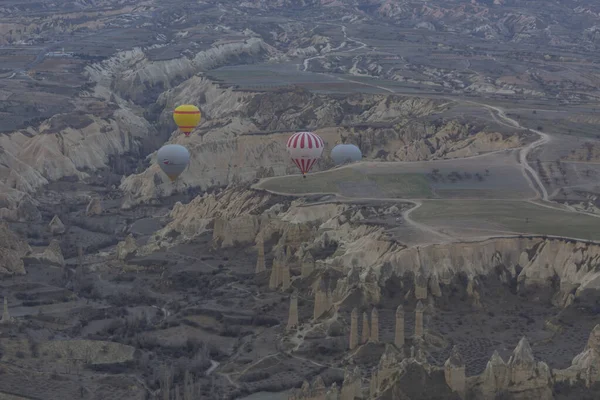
[(305, 148)]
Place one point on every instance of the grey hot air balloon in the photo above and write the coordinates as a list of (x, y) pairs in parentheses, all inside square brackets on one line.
[(345, 153), (173, 159)]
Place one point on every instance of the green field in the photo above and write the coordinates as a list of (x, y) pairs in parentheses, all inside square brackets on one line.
[(317, 183), (403, 185), (341, 181), (513, 216)]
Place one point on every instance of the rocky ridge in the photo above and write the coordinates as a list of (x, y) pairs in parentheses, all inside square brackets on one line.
[(241, 140), (367, 257), (520, 377)]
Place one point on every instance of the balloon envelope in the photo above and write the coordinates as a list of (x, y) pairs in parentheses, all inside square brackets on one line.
[(187, 117), (305, 148), (173, 159), (345, 153)]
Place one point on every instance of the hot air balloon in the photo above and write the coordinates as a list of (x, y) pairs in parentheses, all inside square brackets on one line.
[(173, 159), (305, 148), (187, 117), (344, 153)]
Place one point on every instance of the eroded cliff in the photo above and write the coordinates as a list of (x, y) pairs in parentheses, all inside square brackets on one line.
[(243, 135), (363, 244)]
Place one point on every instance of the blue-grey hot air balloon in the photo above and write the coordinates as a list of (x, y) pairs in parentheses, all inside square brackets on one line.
[(345, 153), (173, 159)]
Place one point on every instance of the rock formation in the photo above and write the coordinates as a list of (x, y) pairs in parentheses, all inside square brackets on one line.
[(421, 286), (352, 386), (495, 377), (233, 116), (365, 333), (285, 275), (277, 272), (12, 251), (419, 320), (236, 231), (368, 246), (308, 265), (6, 318), (127, 248), (399, 331), (293, 314), (260, 260), (323, 300), (375, 325), (316, 391), (353, 329), (586, 365), (522, 376), (56, 226), (51, 256), (94, 207), (454, 372)]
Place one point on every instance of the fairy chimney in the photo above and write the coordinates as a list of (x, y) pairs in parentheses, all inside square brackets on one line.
[(308, 265), (354, 329), (399, 338), (293, 316), (6, 318), (56, 226), (321, 300), (495, 376), (374, 325), (454, 372), (419, 320), (285, 276), (94, 207), (421, 286), (275, 278), (373, 383), (333, 393), (352, 386), (365, 329), (260, 260)]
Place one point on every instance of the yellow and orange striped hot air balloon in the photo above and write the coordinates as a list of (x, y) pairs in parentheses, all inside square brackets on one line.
[(187, 117)]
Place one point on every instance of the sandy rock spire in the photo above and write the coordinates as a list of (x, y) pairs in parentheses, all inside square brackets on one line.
[(454, 371), (419, 320), (366, 334), (421, 286), (353, 329), (56, 226), (260, 260), (321, 300), (293, 315), (285, 276), (6, 318), (94, 207), (275, 279), (399, 336), (308, 265), (374, 325)]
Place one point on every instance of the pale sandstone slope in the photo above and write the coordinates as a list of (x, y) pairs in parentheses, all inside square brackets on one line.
[(242, 136), (104, 121)]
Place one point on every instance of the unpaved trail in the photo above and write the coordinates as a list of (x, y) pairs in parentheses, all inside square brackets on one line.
[(361, 45), (540, 189)]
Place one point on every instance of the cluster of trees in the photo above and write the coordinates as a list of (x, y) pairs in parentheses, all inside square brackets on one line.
[(456, 176)]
